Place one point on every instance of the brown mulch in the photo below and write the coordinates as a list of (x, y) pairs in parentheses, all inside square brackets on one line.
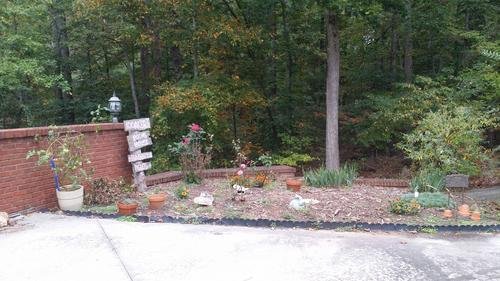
[(358, 203)]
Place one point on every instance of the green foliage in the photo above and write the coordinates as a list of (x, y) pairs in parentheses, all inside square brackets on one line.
[(194, 153), (322, 177), (404, 207), (293, 159), (448, 140), (127, 219), (428, 181), (104, 192), (430, 199), (68, 150), (182, 192), (100, 115)]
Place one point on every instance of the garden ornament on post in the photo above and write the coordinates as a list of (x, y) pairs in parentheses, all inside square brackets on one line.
[(138, 138), (115, 107)]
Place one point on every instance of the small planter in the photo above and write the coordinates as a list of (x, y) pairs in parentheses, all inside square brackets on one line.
[(294, 184), (464, 210), (447, 214), (475, 216), (156, 201), (127, 208), (70, 199)]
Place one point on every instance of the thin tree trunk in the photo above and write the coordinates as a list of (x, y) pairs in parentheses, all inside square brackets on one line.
[(176, 59), (332, 90), (408, 55), (130, 68), (286, 35), (394, 46), (196, 43)]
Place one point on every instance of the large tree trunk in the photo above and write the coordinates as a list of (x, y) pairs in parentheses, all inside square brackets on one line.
[(332, 90), (130, 68), (61, 51), (408, 41)]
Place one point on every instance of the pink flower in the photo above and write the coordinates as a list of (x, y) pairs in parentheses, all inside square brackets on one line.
[(243, 166), (195, 127), (186, 141), (240, 173)]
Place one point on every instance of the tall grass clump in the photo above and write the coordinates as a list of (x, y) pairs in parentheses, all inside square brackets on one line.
[(322, 177), (428, 181)]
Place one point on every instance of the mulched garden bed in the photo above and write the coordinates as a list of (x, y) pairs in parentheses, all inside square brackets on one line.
[(359, 203)]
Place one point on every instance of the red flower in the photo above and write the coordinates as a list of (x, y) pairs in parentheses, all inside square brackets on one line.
[(195, 127), (186, 141)]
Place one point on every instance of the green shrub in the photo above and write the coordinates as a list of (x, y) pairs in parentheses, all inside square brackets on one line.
[(449, 140), (430, 199), (404, 207), (428, 181), (182, 192), (322, 177), (293, 159)]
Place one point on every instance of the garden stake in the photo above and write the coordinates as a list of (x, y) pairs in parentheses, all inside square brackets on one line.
[(56, 177)]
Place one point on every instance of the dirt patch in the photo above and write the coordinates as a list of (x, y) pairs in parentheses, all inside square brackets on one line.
[(358, 203)]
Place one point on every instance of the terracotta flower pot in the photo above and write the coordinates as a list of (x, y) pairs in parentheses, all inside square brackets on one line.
[(127, 209), (447, 214), (464, 210), (293, 184), (475, 216), (156, 201)]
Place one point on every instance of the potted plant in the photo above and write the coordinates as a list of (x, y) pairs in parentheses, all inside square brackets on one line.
[(157, 200), (127, 206), (475, 215), (294, 184), (65, 152)]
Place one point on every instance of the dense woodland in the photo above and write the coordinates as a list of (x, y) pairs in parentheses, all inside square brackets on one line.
[(417, 77)]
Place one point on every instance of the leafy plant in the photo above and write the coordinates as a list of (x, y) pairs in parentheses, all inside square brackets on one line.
[(404, 207), (66, 151), (182, 192), (428, 181), (194, 153), (100, 114), (322, 177), (449, 140), (104, 192), (293, 159), (127, 219), (430, 199)]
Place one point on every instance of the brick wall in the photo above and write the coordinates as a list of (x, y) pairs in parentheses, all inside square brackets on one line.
[(24, 186)]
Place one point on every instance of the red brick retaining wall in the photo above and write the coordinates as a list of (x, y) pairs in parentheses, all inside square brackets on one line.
[(27, 187), (279, 171)]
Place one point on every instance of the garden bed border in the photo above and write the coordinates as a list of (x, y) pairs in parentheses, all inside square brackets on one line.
[(319, 225)]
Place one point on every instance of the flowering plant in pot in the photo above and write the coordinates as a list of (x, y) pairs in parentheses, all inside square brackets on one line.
[(194, 153), (65, 151)]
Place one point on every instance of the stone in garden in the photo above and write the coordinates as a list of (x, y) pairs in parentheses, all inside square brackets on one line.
[(457, 181), (4, 219), (299, 203), (205, 199)]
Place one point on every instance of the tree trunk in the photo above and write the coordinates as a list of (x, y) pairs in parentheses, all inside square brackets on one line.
[(176, 59), (332, 90), (130, 68), (408, 56), (286, 35), (195, 43), (61, 51)]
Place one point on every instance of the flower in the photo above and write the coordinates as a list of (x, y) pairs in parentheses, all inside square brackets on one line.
[(243, 166), (195, 127), (186, 141), (240, 173)]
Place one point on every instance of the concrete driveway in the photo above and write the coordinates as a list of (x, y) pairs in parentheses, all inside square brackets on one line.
[(61, 248)]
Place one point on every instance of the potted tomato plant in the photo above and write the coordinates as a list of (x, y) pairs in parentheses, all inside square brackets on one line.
[(65, 151)]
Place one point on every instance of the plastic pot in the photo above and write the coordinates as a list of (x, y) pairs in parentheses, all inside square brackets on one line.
[(127, 209), (71, 200), (156, 201), (294, 184)]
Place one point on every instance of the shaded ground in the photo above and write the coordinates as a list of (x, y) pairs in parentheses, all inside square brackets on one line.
[(55, 247), (358, 203)]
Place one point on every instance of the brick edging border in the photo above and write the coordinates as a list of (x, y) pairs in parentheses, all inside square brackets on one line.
[(324, 225)]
